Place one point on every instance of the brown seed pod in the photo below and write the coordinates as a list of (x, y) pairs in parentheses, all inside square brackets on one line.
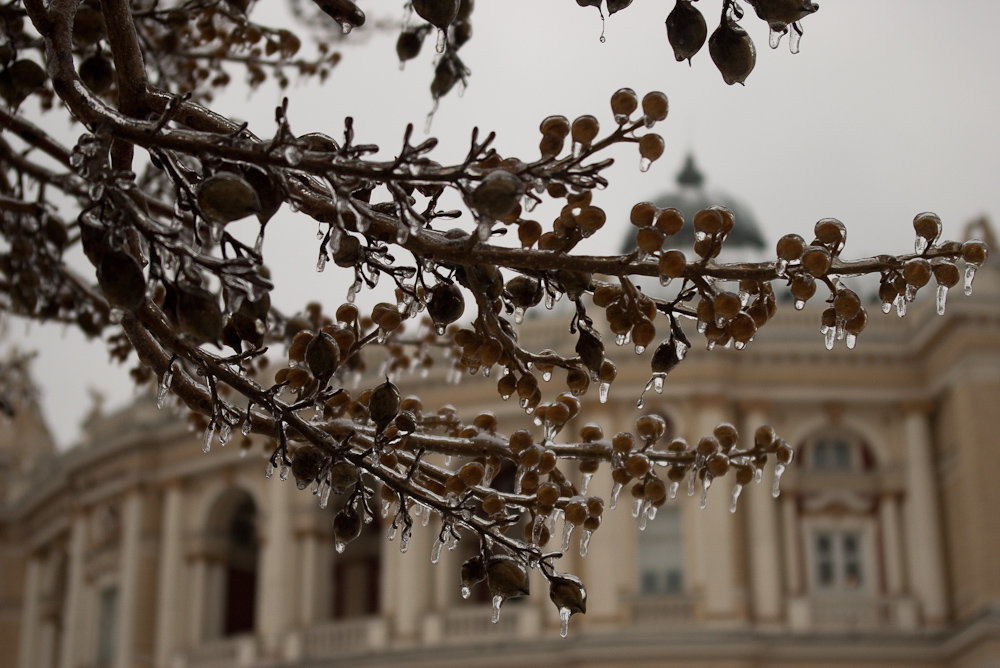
[(225, 197), (383, 405), (524, 291), (642, 214), (307, 463), (790, 247), (623, 102), (506, 577), (121, 280), (590, 349), (347, 525), (498, 194), (322, 355), (198, 313), (686, 30), (446, 305), (650, 427), (585, 129), (556, 126), (439, 13), (567, 592), (830, 232), (732, 51)]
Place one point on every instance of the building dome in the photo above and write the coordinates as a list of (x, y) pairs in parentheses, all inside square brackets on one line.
[(690, 197)]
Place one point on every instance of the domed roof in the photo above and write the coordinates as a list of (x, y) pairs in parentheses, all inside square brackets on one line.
[(690, 198)]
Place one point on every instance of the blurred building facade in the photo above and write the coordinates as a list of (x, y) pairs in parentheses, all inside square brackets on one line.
[(135, 549)]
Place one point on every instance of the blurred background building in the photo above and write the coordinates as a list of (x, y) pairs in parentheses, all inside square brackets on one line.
[(135, 549)]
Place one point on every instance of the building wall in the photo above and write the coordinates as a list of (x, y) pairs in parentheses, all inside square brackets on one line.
[(137, 516)]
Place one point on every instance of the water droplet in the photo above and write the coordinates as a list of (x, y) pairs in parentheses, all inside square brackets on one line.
[(886, 307), (346, 27), (779, 468), (851, 340), (585, 541), (942, 298), (564, 614), (466, 591), (340, 546), (644, 164), (736, 497), (602, 392), (800, 304), (970, 274), (640, 350), (758, 475), (442, 41)]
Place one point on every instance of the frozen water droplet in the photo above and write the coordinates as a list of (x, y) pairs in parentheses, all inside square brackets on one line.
[(346, 27), (736, 497), (829, 336), (564, 614), (602, 392), (616, 490), (546, 376), (851, 340), (436, 550), (225, 433), (886, 307), (550, 300), (643, 514), (269, 470), (779, 468), (911, 293), (466, 591), (324, 495), (794, 37), (640, 350), (691, 483), (672, 490), (942, 298), (665, 280), (566, 535), (164, 389), (800, 304), (321, 261), (919, 245), (319, 232), (497, 602), (206, 441), (758, 475), (585, 541), (970, 274), (442, 41), (636, 507), (621, 119), (780, 267), (404, 540), (774, 38), (585, 482), (705, 485), (386, 507), (390, 534), (518, 315), (644, 164), (283, 472), (900, 306), (245, 428)]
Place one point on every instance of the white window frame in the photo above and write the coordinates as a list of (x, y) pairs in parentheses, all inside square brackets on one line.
[(865, 528)]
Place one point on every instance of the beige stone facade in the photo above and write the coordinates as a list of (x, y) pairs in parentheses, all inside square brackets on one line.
[(135, 549)]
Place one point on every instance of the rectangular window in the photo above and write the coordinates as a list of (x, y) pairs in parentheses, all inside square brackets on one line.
[(661, 555), (838, 560), (832, 454), (107, 621)]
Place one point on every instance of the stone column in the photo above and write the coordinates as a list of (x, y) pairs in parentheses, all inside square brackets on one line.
[(715, 535), (274, 613), (309, 592), (198, 584), (73, 612), (128, 591), (923, 516), (169, 578), (892, 544), (29, 616), (790, 538), (763, 540)]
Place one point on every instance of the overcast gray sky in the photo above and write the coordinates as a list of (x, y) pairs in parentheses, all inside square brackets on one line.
[(888, 110)]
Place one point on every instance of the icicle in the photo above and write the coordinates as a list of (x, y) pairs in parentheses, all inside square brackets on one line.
[(386, 508), (736, 497), (567, 535), (851, 340), (245, 428), (941, 299), (970, 274), (794, 37), (324, 495), (780, 267), (829, 337), (436, 550), (774, 39), (404, 540), (564, 614), (206, 441), (390, 534), (691, 483), (269, 470), (550, 300), (636, 507), (585, 541), (442, 40), (585, 482), (911, 293), (536, 529), (283, 472), (672, 490), (518, 315), (886, 307), (616, 490), (497, 602), (643, 514), (705, 485), (164, 390), (602, 392), (321, 261), (225, 433), (779, 468), (919, 245), (758, 475), (900, 306)]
